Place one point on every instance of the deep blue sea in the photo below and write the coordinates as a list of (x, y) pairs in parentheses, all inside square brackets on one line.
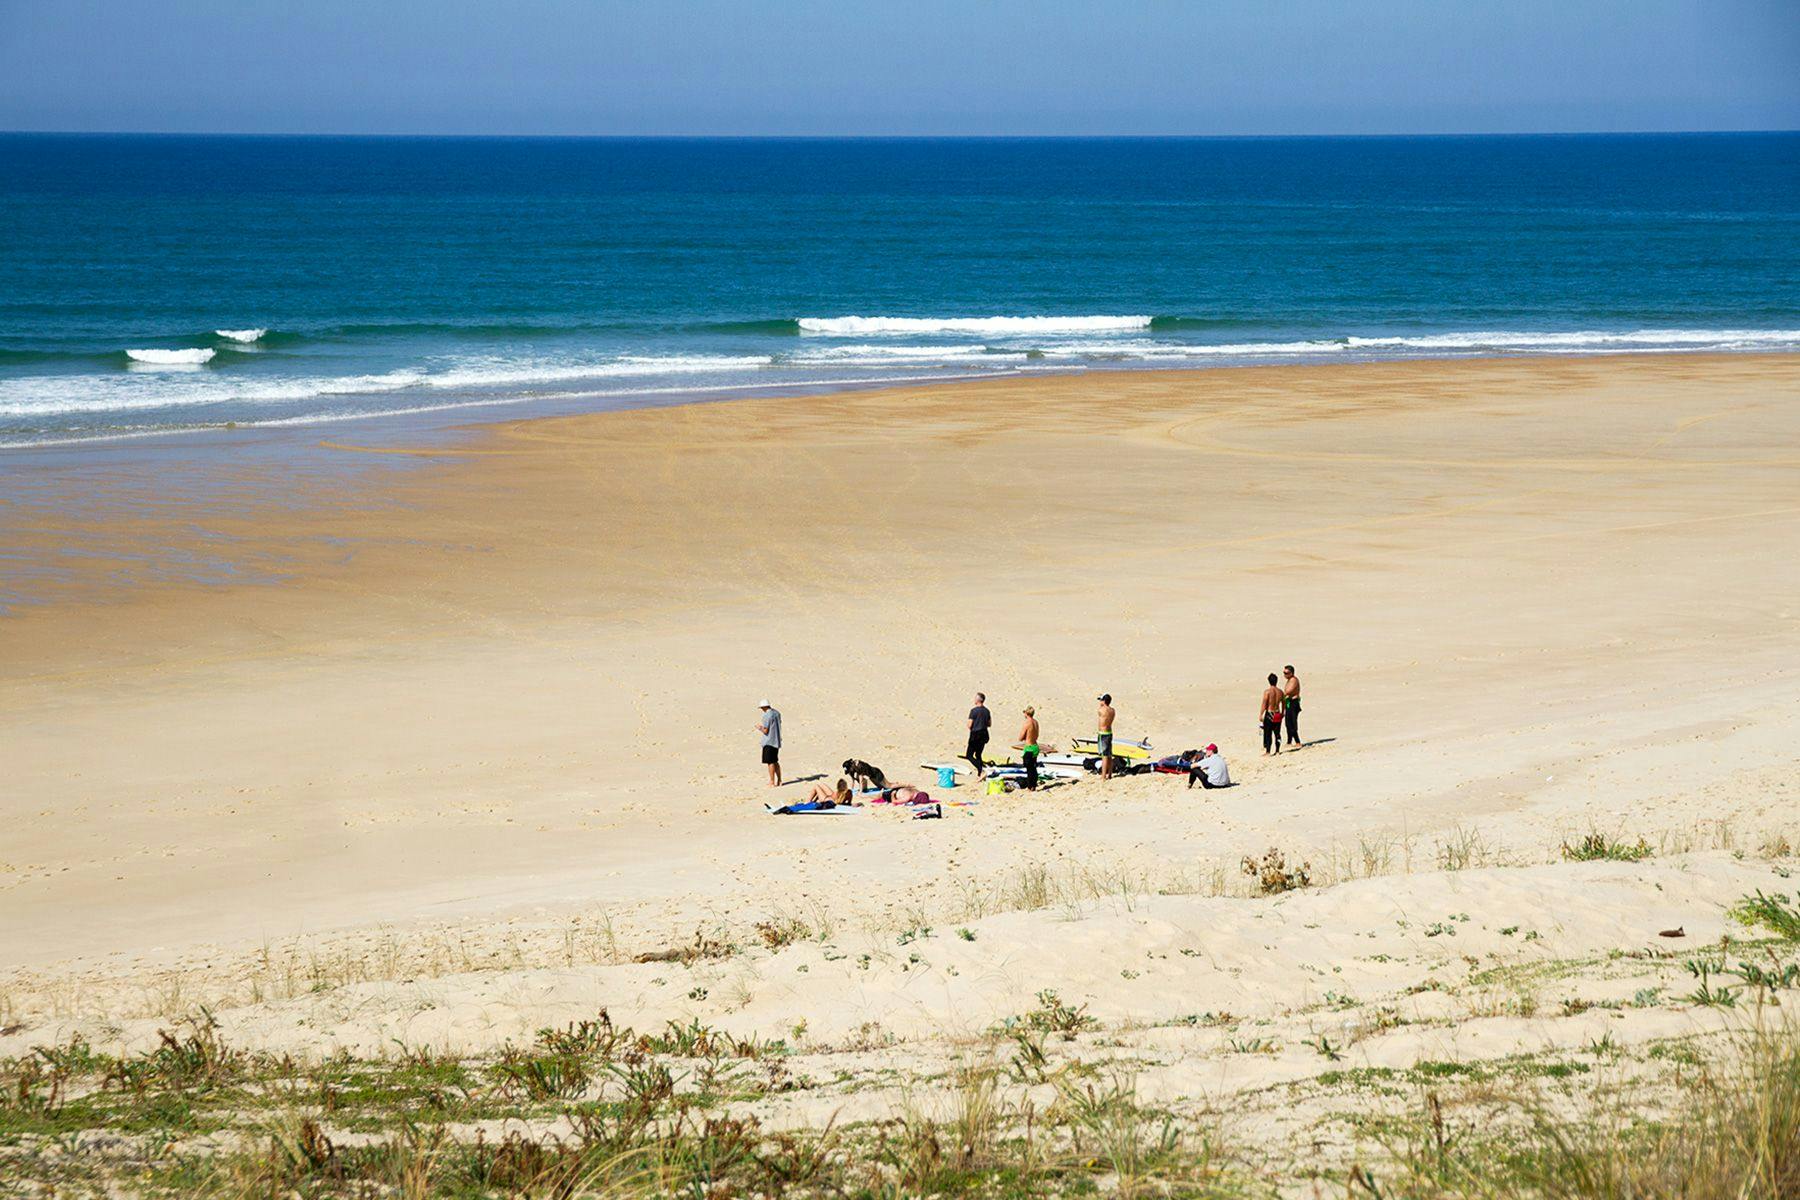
[(152, 284)]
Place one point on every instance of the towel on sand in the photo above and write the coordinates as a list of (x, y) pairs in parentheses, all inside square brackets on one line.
[(808, 807)]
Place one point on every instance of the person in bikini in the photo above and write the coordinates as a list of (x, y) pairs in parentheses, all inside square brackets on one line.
[(1268, 715), (838, 795)]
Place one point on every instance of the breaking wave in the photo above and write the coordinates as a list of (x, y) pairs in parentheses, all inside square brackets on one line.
[(171, 358)]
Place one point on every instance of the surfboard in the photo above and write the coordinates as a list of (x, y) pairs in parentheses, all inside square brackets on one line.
[(1121, 747)]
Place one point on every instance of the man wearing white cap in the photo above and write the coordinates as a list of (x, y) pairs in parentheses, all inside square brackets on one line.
[(770, 728)]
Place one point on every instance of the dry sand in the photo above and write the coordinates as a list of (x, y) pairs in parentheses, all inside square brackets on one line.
[(475, 732)]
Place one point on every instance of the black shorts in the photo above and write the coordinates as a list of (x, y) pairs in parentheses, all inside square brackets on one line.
[(772, 755)]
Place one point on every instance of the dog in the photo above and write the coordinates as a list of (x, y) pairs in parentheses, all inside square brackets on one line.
[(864, 774)]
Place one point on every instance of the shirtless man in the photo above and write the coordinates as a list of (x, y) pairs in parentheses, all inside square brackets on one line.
[(1290, 703), (1268, 715), (1027, 746), (1104, 724)]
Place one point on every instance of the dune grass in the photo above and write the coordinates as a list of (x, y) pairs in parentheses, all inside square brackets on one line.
[(586, 1110), (1039, 1107), (1731, 1131)]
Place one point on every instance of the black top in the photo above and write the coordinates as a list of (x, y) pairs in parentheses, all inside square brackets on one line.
[(979, 720)]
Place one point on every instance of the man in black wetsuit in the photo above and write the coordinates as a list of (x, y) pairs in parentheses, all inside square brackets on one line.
[(979, 721)]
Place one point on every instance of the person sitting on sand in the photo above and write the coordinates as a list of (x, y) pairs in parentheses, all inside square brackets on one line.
[(1210, 770), (1268, 715), (839, 794)]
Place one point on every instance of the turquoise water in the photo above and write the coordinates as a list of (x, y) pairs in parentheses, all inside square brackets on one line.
[(156, 284)]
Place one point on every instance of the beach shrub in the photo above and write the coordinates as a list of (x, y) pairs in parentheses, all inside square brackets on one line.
[(1273, 875), (578, 1039), (1597, 846), (777, 933), (540, 1076), (1050, 1016), (1775, 913)]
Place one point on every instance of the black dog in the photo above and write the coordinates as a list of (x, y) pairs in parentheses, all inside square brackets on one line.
[(864, 774)]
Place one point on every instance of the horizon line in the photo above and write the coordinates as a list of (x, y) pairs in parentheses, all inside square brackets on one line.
[(894, 137)]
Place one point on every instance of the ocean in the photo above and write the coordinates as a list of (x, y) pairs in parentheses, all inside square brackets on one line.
[(157, 284)]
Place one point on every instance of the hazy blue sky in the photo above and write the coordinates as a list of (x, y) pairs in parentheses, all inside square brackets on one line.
[(908, 66)]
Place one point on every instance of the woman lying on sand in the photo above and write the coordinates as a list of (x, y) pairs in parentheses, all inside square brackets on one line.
[(841, 794), (903, 793)]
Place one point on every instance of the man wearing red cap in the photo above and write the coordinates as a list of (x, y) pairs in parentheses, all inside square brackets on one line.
[(1210, 770)]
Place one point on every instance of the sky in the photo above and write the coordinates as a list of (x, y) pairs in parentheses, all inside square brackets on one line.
[(901, 67)]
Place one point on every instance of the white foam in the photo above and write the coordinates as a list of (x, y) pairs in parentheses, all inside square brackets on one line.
[(67, 395), (1137, 349), (1584, 339), (171, 358), (242, 335), (504, 372), (977, 326), (853, 354), (180, 392)]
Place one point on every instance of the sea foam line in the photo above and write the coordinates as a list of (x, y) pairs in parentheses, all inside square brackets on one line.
[(979, 326), (1577, 339)]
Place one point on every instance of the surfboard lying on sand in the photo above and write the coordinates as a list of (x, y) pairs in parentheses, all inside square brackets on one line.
[(1045, 771), (1121, 747)]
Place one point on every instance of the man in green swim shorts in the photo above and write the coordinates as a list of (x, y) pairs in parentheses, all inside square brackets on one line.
[(1027, 746)]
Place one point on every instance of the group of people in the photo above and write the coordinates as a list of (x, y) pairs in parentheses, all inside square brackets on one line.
[(981, 722), (1277, 714), (1280, 707)]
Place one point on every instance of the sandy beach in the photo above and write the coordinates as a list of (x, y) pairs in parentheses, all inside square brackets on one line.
[(474, 729)]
